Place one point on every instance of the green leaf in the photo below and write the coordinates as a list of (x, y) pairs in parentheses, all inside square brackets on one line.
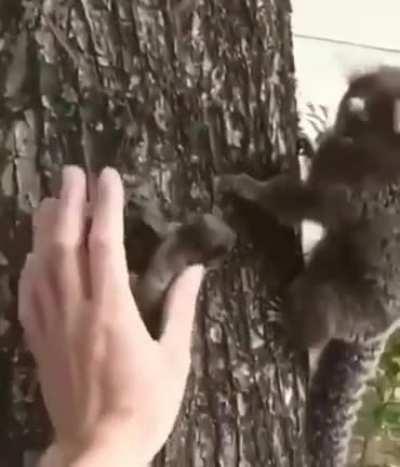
[(390, 416)]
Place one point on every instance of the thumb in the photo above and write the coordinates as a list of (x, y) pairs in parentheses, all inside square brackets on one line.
[(179, 309)]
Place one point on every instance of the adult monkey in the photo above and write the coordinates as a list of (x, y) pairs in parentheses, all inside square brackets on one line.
[(346, 303)]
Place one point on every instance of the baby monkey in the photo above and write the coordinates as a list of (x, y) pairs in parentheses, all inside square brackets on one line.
[(158, 250), (349, 290)]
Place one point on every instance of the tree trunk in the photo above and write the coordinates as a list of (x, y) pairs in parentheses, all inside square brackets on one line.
[(175, 91)]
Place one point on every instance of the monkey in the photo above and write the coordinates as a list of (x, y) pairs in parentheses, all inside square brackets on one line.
[(158, 251), (346, 302), (371, 103)]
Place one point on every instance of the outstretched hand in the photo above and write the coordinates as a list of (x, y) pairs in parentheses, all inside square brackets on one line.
[(105, 381)]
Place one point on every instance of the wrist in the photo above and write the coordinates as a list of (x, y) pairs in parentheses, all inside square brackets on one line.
[(98, 454), (106, 456), (114, 443)]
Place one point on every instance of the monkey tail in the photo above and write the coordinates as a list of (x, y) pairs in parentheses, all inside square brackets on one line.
[(335, 396)]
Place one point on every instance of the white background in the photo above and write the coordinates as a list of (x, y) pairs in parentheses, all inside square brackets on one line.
[(323, 67), (374, 22)]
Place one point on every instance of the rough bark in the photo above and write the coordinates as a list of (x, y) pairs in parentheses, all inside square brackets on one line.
[(176, 91)]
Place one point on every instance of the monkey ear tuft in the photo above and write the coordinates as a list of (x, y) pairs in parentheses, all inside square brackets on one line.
[(358, 107), (396, 116), (356, 104)]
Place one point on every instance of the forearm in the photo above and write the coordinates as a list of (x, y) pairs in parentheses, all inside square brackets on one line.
[(293, 201), (289, 199), (284, 196)]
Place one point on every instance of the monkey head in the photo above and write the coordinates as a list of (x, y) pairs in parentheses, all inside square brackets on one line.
[(371, 103)]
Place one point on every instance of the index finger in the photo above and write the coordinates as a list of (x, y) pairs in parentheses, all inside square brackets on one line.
[(106, 238)]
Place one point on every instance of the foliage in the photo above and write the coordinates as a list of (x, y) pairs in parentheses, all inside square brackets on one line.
[(313, 121), (379, 417)]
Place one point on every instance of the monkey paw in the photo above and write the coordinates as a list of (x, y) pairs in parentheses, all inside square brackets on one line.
[(207, 238), (239, 185)]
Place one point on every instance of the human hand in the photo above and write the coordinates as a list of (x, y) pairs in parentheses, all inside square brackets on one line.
[(105, 381)]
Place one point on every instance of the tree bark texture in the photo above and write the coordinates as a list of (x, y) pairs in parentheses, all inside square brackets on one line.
[(174, 91)]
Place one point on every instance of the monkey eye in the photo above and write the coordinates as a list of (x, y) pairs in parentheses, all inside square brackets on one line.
[(357, 105), (396, 116)]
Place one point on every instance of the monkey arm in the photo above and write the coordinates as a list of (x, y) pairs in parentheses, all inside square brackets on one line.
[(158, 251), (203, 240), (145, 224), (284, 196)]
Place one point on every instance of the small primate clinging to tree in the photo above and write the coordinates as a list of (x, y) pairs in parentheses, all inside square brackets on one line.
[(347, 300), (158, 250), (353, 173)]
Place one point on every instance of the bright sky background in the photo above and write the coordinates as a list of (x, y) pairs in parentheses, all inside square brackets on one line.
[(375, 22), (322, 68)]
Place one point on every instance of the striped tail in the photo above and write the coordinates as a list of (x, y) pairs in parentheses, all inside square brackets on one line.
[(335, 397)]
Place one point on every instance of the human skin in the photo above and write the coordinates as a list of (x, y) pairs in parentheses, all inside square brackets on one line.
[(112, 392)]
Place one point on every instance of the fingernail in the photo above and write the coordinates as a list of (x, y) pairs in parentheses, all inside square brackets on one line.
[(72, 177), (110, 182), (69, 172), (194, 276), (109, 173)]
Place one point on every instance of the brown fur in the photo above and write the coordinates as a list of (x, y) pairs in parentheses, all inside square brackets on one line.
[(349, 191)]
